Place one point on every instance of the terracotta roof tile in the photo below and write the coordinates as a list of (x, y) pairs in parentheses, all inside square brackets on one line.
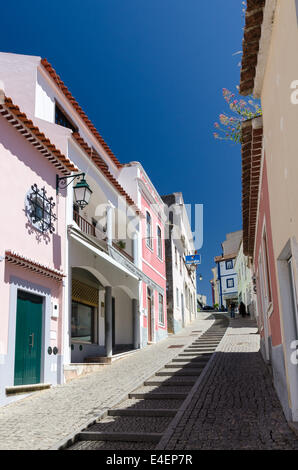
[(48, 67), (251, 165), (103, 167), (32, 265), (251, 40), (37, 138)]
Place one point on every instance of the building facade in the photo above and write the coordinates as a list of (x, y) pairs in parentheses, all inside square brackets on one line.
[(152, 260), (105, 263), (270, 199), (181, 278), (215, 288), (226, 270), (32, 257), (243, 266)]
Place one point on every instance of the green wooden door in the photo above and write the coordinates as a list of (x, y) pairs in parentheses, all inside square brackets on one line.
[(28, 339)]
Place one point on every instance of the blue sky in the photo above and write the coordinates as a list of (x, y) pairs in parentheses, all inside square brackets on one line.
[(149, 74)]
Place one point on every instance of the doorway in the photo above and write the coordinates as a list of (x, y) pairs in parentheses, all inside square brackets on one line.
[(28, 339)]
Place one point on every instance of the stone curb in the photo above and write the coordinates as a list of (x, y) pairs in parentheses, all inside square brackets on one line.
[(162, 445), (71, 438)]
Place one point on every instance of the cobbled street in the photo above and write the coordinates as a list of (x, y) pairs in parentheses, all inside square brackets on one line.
[(236, 406), (232, 405), (45, 418)]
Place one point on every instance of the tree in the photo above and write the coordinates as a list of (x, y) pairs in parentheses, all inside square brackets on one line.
[(230, 126)]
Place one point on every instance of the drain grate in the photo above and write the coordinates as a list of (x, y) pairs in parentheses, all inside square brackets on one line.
[(176, 346)]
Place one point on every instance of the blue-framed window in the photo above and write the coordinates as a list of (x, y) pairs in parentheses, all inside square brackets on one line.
[(229, 264), (230, 283)]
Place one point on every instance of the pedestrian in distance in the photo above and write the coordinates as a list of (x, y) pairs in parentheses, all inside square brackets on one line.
[(242, 309), (232, 307)]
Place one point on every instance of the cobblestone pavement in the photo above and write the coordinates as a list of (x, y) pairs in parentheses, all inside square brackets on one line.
[(45, 418), (235, 405)]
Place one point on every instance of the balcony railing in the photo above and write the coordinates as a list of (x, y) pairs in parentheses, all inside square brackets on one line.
[(84, 225), (90, 229), (115, 245)]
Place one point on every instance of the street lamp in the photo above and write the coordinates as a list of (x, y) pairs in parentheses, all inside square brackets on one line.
[(201, 277), (82, 191)]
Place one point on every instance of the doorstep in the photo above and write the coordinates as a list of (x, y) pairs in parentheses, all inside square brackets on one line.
[(26, 388), (108, 360)]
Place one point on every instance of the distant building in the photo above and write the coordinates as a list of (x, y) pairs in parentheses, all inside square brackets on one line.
[(226, 272), (181, 279), (243, 267), (215, 287), (201, 300)]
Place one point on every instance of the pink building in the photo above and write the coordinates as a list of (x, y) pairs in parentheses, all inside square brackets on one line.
[(114, 290), (32, 261), (151, 252)]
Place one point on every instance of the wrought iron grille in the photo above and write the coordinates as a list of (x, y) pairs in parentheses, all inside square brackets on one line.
[(41, 209)]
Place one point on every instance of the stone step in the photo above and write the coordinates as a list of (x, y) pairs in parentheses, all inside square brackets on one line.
[(159, 396), (190, 361), (189, 354), (180, 373), (204, 341), (186, 366), (119, 436), (170, 383), (142, 412), (139, 404)]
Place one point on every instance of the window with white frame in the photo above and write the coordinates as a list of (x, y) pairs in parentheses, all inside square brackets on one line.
[(159, 242), (148, 230), (177, 297), (229, 264), (266, 269), (161, 309)]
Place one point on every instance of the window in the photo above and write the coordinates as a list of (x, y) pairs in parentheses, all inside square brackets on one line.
[(266, 268), (177, 296), (39, 209), (148, 230), (230, 283), (229, 264), (159, 243), (176, 262), (62, 120), (160, 309), (82, 322)]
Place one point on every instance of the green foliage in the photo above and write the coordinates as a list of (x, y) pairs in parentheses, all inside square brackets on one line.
[(229, 127)]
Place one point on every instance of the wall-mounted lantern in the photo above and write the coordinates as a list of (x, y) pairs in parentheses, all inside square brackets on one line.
[(82, 191)]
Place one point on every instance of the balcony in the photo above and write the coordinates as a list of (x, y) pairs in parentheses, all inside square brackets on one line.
[(84, 225), (91, 230)]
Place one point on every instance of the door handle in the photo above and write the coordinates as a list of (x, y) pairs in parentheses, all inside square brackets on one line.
[(32, 340)]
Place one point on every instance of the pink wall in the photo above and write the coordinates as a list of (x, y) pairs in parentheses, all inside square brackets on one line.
[(264, 213), (153, 266), (21, 165)]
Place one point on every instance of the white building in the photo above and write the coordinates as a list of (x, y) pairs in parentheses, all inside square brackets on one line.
[(226, 271), (181, 279), (201, 300), (245, 289), (100, 310)]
